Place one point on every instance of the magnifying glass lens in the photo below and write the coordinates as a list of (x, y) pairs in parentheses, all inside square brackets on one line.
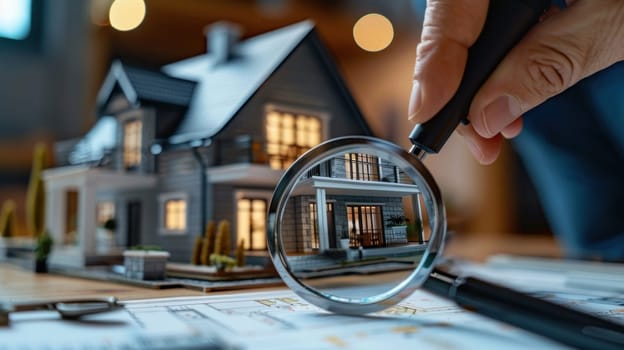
[(355, 225)]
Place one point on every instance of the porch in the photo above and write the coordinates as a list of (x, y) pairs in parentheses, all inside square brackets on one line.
[(74, 233)]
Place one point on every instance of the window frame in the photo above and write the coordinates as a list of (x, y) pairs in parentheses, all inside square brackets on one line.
[(136, 152), (163, 199), (380, 231), (372, 171), (250, 194), (322, 116)]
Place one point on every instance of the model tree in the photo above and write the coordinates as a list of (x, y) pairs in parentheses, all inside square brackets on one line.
[(208, 242), (222, 243), (42, 251), (197, 248), (7, 219), (240, 253), (35, 198)]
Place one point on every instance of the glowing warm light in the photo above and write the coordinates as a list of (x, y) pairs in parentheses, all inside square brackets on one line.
[(373, 32), (126, 15)]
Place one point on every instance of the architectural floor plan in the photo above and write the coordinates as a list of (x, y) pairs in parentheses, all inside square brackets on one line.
[(281, 320)]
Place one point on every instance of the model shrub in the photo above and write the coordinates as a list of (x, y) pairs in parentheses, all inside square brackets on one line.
[(7, 219), (35, 199), (208, 243), (222, 262), (240, 253), (222, 243), (43, 247), (197, 248)]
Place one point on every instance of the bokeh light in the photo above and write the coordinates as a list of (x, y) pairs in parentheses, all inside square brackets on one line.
[(373, 32), (126, 15)]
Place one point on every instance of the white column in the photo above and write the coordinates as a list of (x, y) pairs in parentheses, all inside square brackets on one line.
[(56, 212), (86, 218), (418, 211), (321, 214)]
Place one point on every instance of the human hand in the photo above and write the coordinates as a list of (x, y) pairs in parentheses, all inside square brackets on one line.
[(565, 47)]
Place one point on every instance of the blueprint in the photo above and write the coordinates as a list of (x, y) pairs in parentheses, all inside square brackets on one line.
[(281, 320)]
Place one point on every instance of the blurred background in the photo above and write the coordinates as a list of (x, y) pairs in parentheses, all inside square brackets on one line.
[(54, 55)]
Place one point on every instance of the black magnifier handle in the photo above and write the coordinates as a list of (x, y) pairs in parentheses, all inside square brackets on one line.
[(568, 326), (506, 23)]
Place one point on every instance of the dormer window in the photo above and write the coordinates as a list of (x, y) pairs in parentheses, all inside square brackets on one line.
[(132, 143), (289, 135)]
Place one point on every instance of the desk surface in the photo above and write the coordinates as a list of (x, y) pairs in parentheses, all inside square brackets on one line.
[(17, 284)]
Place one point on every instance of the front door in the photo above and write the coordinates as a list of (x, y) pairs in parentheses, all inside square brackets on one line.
[(366, 225), (251, 222), (134, 223)]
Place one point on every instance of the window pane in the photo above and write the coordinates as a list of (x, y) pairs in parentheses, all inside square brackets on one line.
[(175, 215), (132, 143), (251, 223), (289, 136), (365, 225), (105, 211)]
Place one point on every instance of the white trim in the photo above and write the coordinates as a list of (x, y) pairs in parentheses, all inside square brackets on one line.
[(244, 174), (370, 188), (366, 203), (162, 199)]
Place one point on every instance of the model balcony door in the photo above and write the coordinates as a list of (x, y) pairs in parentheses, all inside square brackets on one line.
[(251, 223), (365, 225), (132, 144)]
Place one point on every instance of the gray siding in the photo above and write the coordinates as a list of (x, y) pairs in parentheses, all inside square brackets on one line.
[(179, 172), (302, 82)]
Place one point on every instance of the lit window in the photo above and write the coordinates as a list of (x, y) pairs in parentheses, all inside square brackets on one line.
[(132, 143), (289, 135), (251, 223), (175, 215), (105, 211), (361, 167)]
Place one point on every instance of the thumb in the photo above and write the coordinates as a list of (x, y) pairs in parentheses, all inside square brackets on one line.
[(450, 27), (558, 52)]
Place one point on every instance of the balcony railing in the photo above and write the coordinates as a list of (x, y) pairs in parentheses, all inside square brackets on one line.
[(245, 149)]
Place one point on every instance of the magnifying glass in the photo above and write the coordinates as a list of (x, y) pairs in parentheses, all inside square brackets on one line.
[(356, 224)]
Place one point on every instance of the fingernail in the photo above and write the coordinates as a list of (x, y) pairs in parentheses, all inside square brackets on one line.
[(476, 151), (500, 113), (415, 100)]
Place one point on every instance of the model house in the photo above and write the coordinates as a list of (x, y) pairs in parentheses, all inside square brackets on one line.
[(205, 138), (356, 198)]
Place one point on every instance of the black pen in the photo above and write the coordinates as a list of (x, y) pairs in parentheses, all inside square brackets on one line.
[(568, 326)]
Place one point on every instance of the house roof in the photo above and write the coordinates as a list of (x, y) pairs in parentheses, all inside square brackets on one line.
[(225, 88), (140, 84)]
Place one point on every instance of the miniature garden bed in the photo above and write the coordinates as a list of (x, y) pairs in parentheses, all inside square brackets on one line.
[(211, 273)]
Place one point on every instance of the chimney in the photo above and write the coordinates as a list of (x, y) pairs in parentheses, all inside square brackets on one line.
[(221, 39)]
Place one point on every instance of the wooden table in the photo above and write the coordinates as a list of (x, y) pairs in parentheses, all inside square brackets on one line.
[(18, 284)]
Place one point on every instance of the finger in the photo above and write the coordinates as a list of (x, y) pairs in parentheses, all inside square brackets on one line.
[(449, 29), (512, 130), (484, 150), (558, 52)]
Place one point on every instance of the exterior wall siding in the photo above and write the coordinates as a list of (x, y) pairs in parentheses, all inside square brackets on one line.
[(179, 172)]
